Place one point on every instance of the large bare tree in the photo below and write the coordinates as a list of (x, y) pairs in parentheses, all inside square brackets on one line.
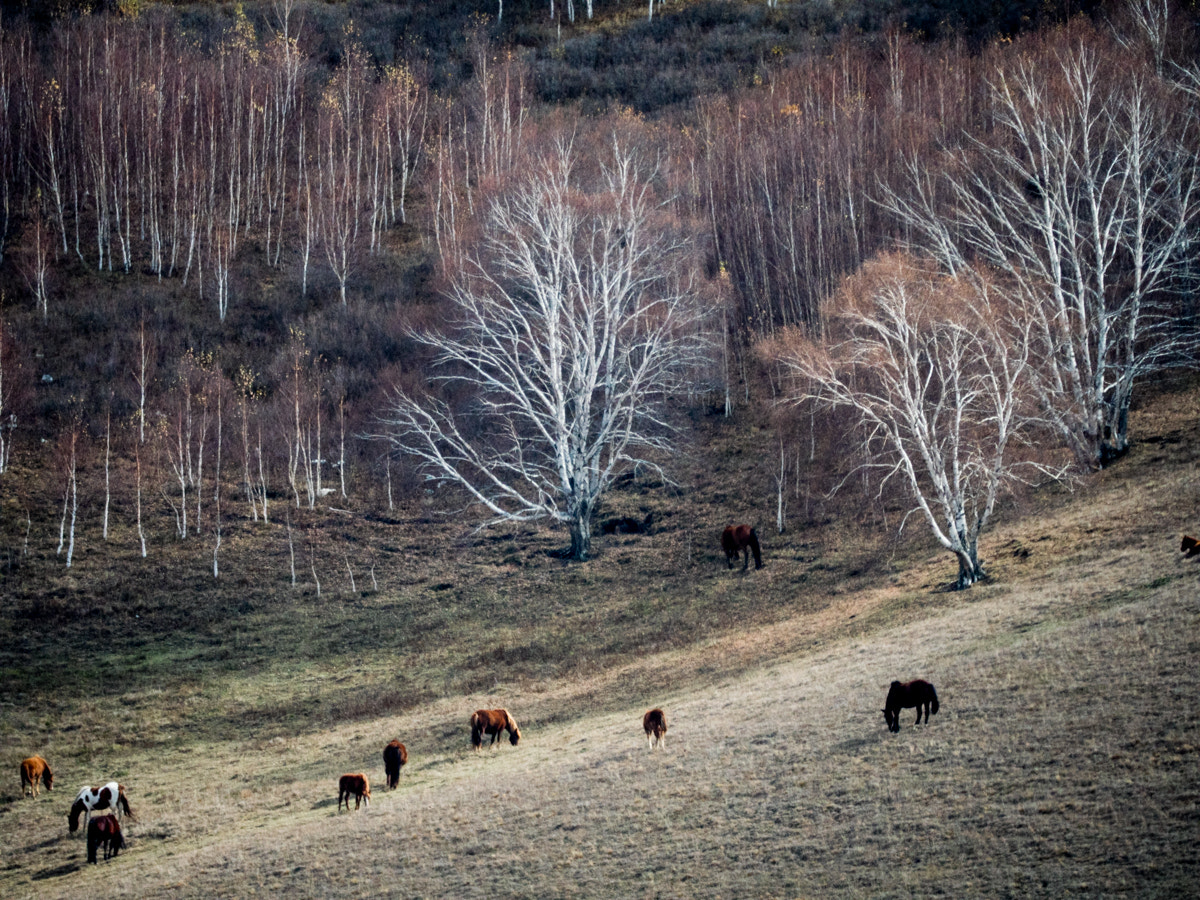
[(1085, 197), (575, 320), (939, 386)]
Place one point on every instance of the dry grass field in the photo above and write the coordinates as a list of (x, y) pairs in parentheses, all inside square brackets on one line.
[(1065, 760)]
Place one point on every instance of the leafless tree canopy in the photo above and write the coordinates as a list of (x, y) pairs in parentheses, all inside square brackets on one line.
[(575, 321), (939, 385), (1084, 197)]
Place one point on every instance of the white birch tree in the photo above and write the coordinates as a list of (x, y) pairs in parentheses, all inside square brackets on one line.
[(1085, 198), (575, 321), (939, 387)]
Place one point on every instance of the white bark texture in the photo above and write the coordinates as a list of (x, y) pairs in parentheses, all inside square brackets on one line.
[(574, 323)]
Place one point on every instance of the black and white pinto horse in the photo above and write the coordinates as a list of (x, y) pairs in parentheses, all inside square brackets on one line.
[(109, 796)]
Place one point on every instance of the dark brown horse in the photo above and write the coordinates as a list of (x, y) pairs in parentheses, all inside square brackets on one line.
[(492, 722), (104, 831), (394, 756), (356, 786), (35, 770), (654, 722), (900, 696), (741, 539), (1189, 547)]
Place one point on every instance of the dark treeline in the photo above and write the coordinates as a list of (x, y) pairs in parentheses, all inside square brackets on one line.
[(218, 225)]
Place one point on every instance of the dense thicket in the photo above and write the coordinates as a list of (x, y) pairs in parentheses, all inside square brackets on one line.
[(219, 225)]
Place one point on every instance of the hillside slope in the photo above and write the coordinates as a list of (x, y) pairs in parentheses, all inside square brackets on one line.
[(1063, 760)]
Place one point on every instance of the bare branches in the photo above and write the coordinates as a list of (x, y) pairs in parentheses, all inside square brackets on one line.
[(573, 324), (1084, 200), (931, 368)]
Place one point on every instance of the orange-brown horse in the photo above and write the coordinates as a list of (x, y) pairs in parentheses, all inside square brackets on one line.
[(492, 722), (654, 722), (741, 539), (395, 755), (355, 785), (35, 770)]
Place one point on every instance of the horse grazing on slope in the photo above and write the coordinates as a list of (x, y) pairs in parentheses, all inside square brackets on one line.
[(394, 756), (110, 796), (916, 693), (104, 831), (655, 724), (1189, 547), (741, 539), (35, 770), (492, 722), (356, 785)]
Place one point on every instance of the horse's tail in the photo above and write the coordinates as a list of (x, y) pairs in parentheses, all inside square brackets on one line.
[(755, 549), (933, 703), (123, 801)]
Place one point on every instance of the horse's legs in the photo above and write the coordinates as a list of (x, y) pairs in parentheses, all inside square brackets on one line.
[(746, 561)]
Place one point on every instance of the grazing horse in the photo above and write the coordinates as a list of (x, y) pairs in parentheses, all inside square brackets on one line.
[(394, 756), (106, 831), (111, 796), (916, 693), (655, 724), (493, 721), (356, 785), (1189, 547), (741, 539), (35, 770)]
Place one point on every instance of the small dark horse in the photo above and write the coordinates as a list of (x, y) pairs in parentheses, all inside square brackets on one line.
[(1189, 547), (354, 785), (654, 723), (394, 756), (741, 539), (916, 693), (104, 831)]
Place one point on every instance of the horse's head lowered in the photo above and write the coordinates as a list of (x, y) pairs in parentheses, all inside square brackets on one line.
[(514, 733)]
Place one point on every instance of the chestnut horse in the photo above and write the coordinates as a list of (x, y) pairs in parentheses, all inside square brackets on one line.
[(394, 756), (741, 539), (493, 721), (35, 770), (356, 785), (655, 724), (111, 796), (106, 831), (916, 693)]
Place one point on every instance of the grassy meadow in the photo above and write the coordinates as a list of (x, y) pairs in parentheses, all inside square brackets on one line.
[(1064, 760)]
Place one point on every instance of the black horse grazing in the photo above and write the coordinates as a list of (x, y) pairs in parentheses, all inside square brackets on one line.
[(900, 696), (741, 539), (395, 755)]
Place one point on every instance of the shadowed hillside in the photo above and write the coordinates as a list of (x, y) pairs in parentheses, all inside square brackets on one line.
[(1063, 755)]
